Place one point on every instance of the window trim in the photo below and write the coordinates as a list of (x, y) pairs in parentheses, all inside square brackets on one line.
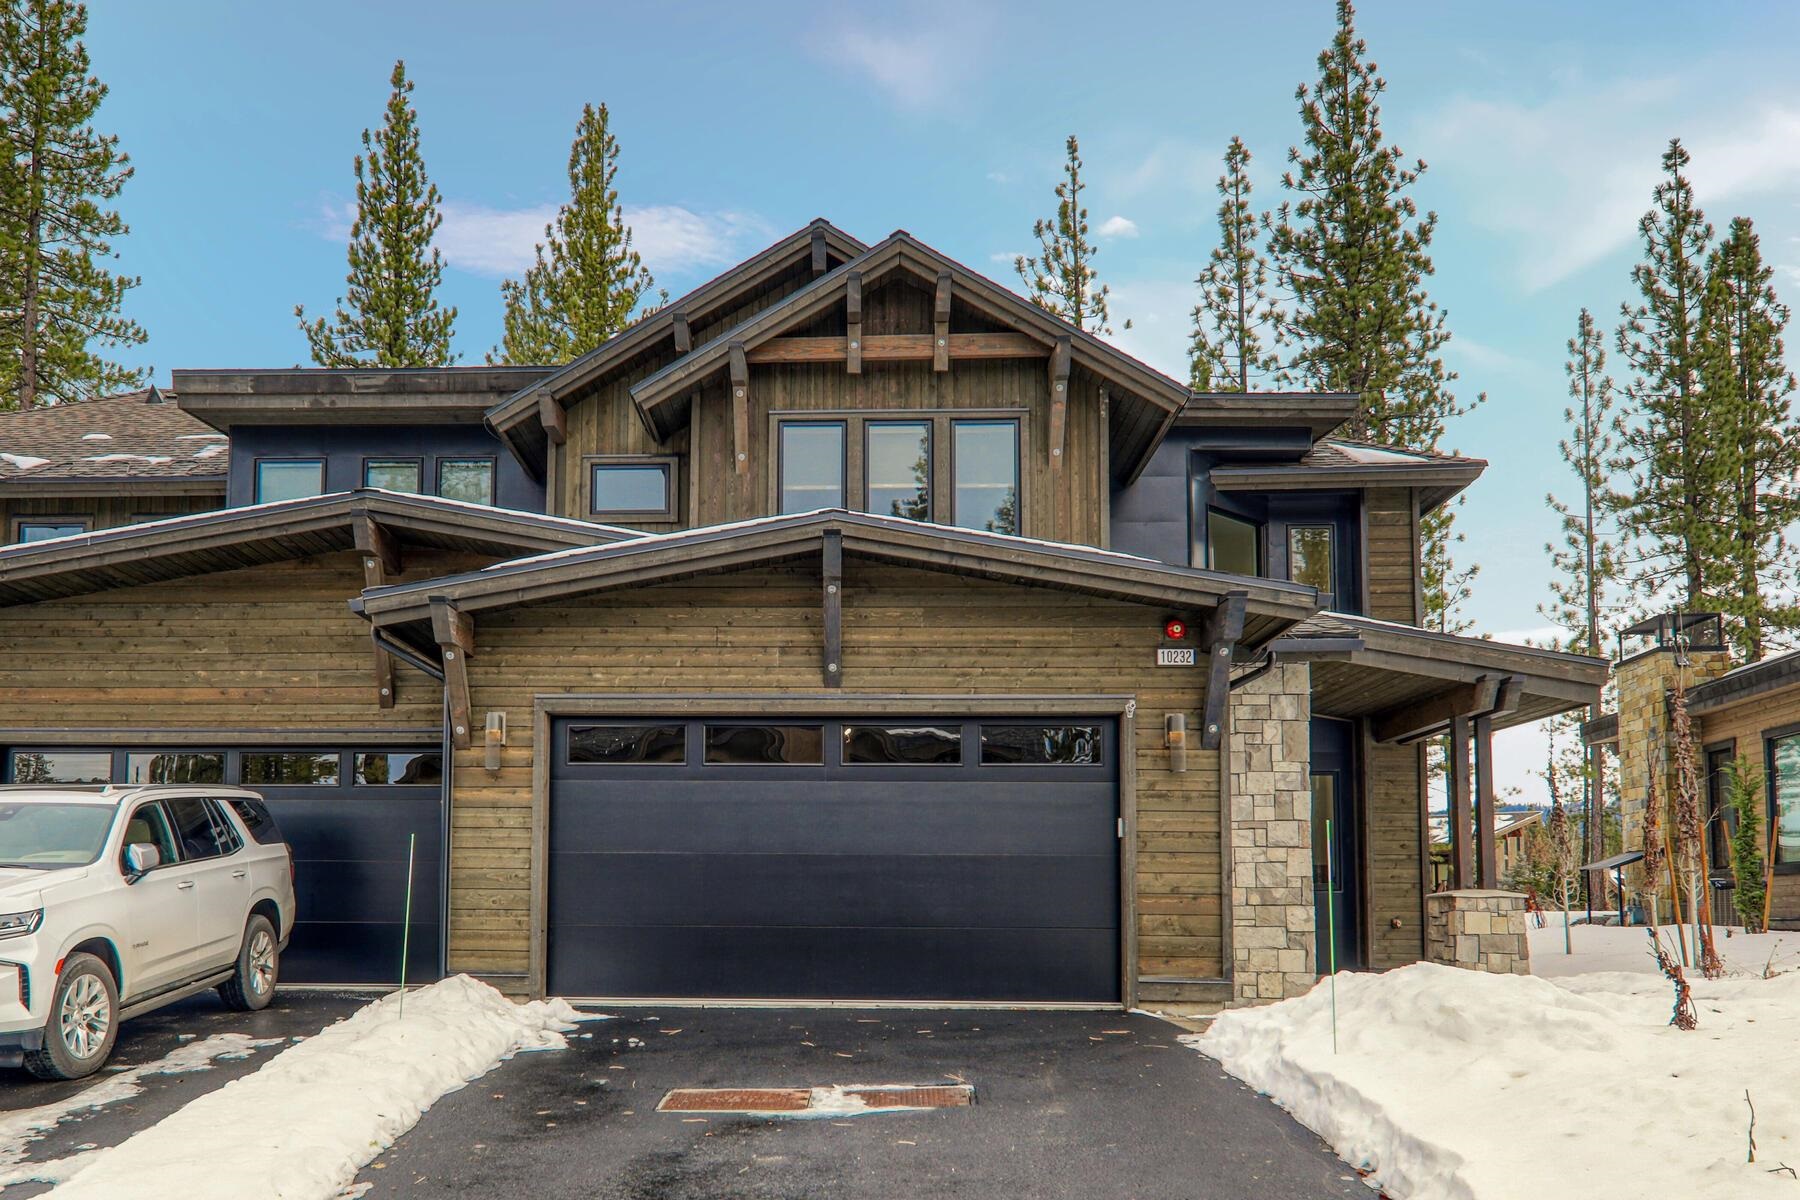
[(1769, 738), (931, 483), (396, 460), (256, 481), (20, 522), (1018, 429), (842, 423), (671, 469), (493, 466), (1260, 527)]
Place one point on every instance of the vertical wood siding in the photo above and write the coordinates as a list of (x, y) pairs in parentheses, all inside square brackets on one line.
[(1393, 834)]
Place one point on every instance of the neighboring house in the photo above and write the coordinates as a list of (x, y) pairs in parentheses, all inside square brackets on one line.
[(848, 628), (1750, 711), (1510, 832)]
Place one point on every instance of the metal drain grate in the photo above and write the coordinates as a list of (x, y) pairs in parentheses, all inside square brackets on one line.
[(834, 1101), (736, 1100), (951, 1096)]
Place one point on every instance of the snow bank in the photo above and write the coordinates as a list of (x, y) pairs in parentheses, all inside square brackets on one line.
[(1615, 948), (302, 1126), (1455, 1085)]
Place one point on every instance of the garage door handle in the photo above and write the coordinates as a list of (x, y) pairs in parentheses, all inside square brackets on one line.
[(184, 885)]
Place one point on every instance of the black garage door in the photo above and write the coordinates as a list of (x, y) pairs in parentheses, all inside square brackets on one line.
[(345, 812), (930, 859)]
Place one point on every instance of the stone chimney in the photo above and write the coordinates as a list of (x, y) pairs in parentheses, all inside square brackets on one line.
[(1653, 654)]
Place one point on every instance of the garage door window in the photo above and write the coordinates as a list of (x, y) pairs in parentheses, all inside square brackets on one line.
[(906, 745), (648, 744), (792, 745), (60, 766), (1041, 745), (149, 767), (383, 769), (291, 769)]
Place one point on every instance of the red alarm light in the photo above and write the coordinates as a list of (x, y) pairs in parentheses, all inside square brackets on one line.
[(1174, 629)]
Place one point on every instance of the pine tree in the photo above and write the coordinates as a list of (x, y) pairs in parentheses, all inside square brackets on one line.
[(390, 316), (1745, 386), (587, 281), (1235, 307), (1669, 445), (1061, 278), (57, 175)]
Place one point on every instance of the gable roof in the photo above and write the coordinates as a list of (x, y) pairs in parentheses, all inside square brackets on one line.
[(139, 442), (1340, 462), (1271, 606), (1137, 427), (515, 419), (224, 539)]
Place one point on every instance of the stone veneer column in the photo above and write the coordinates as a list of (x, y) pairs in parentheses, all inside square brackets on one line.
[(1644, 743), (1478, 931), (1273, 930)]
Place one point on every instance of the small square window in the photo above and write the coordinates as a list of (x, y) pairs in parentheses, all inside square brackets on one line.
[(289, 479), (470, 480), (643, 488), (44, 530), (392, 474)]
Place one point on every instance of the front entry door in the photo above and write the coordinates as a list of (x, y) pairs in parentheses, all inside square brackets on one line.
[(1335, 883)]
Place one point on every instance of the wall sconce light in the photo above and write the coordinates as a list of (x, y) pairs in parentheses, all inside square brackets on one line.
[(496, 738), (1175, 738)]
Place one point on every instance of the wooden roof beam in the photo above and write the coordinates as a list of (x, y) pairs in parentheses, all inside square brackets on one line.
[(1219, 634), (894, 347), (1059, 400), (684, 335), (1432, 715), (820, 263), (553, 418), (454, 632), (940, 316), (740, 408), (380, 550), (853, 326)]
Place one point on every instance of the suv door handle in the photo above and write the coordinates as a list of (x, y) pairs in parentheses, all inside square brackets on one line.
[(239, 873), (184, 885)]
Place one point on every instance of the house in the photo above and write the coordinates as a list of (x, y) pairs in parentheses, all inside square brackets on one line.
[(1512, 825), (848, 628), (1738, 711)]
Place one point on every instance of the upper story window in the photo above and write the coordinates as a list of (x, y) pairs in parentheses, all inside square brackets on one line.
[(1783, 752), (985, 461), (468, 479), (640, 487), (812, 465), (393, 474), (898, 469), (289, 479), (1233, 544), (42, 529), (1312, 555)]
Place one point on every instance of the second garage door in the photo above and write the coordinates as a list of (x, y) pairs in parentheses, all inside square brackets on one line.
[(929, 859)]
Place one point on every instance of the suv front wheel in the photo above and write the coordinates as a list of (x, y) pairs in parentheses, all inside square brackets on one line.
[(84, 1021), (252, 984)]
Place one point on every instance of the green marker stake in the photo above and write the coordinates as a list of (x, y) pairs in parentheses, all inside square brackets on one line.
[(412, 840), (1331, 933)]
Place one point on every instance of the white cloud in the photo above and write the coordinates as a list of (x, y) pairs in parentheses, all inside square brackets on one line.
[(1118, 227), (491, 241), (999, 177), (1540, 635), (922, 67), (673, 238)]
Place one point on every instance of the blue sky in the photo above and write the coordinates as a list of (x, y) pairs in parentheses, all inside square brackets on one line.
[(1542, 124)]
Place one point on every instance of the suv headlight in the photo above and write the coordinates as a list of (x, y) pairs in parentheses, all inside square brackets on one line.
[(20, 923)]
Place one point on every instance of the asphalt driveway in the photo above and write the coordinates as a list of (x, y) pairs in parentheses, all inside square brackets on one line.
[(1095, 1106)]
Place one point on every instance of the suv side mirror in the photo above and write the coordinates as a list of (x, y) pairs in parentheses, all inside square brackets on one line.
[(140, 858)]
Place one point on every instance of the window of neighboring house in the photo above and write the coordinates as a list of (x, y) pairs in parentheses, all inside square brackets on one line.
[(393, 474), (641, 488), (1233, 544), (812, 465), (897, 469), (985, 465), (1311, 556), (289, 479), (1784, 794), (467, 479), (42, 529), (1720, 819)]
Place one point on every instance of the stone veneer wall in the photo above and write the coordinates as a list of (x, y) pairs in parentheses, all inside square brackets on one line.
[(1644, 743), (1478, 931), (1273, 930)]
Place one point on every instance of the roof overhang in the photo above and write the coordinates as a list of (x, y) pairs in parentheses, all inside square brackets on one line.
[(1317, 412), (227, 539), (1414, 681), (357, 396), (1436, 483), (149, 485), (1270, 607)]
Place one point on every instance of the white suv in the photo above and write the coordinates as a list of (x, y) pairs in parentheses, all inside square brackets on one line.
[(118, 900)]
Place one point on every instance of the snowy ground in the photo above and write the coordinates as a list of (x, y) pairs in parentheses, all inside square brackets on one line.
[(1454, 1085), (333, 1101)]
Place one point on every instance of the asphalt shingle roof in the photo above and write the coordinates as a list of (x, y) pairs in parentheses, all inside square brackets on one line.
[(135, 435)]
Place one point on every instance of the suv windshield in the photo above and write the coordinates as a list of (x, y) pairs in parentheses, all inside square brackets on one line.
[(46, 836)]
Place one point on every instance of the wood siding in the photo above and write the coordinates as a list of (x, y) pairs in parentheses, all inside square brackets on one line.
[(260, 648), (760, 631), (1393, 859), (1747, 723), (1393, 571), (101, 512)]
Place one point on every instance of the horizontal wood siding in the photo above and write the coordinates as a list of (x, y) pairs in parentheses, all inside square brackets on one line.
[(1392, 831), (258, 648), (102, 512), (760, 631), (1393, 556), (1747, 724)]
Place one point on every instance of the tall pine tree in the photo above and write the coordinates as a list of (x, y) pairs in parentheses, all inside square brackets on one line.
[(1061, 278), (1235, 308), (389, 315), (1352, 253), (587, 280), (57, 176), (1745, 386), (1670, 444)]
